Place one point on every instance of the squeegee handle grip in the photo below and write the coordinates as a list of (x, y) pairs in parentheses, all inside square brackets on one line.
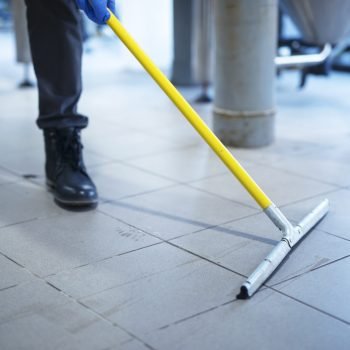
[(190, 114)]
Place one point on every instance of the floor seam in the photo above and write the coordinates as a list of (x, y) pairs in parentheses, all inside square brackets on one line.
[(101, 260), (310, 271), (310, 197), (311, 306), (335, 235), (300, 175), (206, 259)]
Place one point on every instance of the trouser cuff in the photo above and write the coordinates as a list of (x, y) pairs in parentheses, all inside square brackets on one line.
[(60, 122)]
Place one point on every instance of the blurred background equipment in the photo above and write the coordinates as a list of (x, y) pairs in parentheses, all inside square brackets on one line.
[(23, 53), (193, 60), (182, 66), (313, 37), (320, 23), (5, 15), (203, 46)]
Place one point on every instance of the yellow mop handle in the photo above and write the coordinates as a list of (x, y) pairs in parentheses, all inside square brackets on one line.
[(190, 114)]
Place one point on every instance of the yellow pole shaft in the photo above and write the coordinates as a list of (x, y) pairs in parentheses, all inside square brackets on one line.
[(191, 115)]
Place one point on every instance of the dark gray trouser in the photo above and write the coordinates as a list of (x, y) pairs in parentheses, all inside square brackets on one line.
[(56, 45)]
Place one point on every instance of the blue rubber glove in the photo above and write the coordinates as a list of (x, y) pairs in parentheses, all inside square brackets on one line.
[(96, 10)]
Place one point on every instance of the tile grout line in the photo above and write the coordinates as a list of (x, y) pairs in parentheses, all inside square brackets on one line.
[(205, 259), (300, 175), (101, 260), (69, 297), (158, 153), (220, 196), (18, 223), (311, 197), (108, 201), (100, 316), (125, 162), (198, 314), (335, 235), (215, 227), (310, 271), (151, 154), (311, 306)]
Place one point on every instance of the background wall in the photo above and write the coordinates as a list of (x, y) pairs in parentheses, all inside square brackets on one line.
[(150, 22)]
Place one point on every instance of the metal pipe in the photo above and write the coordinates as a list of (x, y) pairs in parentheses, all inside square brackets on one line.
[(203, 32), (301, 61), (182, 71)]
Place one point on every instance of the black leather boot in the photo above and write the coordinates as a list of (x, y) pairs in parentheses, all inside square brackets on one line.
[(66, 174)]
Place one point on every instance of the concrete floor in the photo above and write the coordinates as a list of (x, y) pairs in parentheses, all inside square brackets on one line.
[(158, 264)]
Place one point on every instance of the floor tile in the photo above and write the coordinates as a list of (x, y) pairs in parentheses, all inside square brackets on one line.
[(7, 177), (183, 165), (179, 130), (23, 201), (336, 221), (33, 162), (116, 180), (121, 270), (131, 345), (20, 132), (50, 245), (45, 319), (28, 299), (186, 289), (326, 288), (180, 134), (151, 115), (12, 274), (122, 146), (331, 166), (269, 321), (281, 187), (175, 211), (305, 114), (282, 149)]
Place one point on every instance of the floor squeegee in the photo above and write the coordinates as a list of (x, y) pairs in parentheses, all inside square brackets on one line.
[(291, 235)]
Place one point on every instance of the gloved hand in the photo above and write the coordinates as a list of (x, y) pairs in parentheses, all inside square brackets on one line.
[(96, 10)]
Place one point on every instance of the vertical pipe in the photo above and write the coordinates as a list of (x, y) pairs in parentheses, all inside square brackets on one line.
[(203, 46), (21, 31), (182, 70), (244, 106)]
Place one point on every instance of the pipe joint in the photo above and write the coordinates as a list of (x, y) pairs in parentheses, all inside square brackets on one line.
[(282, 223)]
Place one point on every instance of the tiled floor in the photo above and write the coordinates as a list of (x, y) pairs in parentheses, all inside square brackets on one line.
[(159, 263)]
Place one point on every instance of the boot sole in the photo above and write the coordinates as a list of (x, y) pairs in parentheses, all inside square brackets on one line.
[(64, 203)]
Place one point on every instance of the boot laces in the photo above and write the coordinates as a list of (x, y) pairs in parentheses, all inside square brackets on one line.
[(71, 150)]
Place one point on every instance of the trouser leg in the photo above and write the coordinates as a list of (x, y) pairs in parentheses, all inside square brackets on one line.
[(56, 46)]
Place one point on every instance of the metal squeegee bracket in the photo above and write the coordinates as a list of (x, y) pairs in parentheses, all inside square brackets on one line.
[(291, 234)]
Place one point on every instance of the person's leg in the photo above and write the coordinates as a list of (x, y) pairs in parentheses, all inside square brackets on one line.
[(56, 45)]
